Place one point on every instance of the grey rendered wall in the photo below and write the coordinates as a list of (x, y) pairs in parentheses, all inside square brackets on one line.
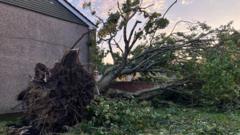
[(27, 38)]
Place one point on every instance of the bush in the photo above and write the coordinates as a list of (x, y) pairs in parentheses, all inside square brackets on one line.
[(119, 117), (128, 117), (220, 73)]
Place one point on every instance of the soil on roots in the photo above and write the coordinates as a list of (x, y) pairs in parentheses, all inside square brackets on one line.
[(57, 97)]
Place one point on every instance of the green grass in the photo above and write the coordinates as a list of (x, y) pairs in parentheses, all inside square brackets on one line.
[(7, 119), (2, 128), (118, 117), (131, 118)]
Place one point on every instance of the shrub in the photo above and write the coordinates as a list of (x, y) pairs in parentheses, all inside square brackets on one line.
[(119, 117), (128, 117), (220, 73)]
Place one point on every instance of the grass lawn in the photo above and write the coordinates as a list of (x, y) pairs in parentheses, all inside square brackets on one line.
[(7, 119), (129, 118)]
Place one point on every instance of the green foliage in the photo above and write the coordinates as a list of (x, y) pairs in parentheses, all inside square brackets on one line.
[(221, 73), (5, 120), (110, 27), (209, 55), (130, 5), (97, 59), (217, 66), (119, 117), (128, 117), (124, 117), (125, 13), (2, 128), (155, 22)]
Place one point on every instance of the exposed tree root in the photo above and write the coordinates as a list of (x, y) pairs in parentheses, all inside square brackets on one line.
[(58, 97)]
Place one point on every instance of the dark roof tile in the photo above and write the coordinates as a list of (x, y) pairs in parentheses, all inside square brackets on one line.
[(47, 7)]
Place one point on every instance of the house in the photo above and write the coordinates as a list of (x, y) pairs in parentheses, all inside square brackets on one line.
[(33, 31)]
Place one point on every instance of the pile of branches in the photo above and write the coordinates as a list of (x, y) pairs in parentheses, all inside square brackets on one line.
[(56, 98), (186, 91)]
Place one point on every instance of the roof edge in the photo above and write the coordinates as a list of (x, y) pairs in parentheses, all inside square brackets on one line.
[(76, 12)]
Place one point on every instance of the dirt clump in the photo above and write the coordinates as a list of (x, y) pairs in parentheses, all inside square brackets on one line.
[(57, 98)]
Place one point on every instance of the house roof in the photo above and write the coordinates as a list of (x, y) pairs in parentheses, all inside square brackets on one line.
[(60, 9)]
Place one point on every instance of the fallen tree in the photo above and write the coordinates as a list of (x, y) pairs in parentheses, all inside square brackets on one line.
[(134, 40), (56, 97), (188, 90)]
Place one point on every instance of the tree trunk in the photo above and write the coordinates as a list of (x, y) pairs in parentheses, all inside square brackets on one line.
[(106, 80), (109, 77)]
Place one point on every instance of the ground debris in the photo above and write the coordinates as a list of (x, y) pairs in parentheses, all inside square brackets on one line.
[(57, 97)]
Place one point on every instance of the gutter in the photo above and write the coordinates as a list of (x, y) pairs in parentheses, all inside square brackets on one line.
[(76, 12)]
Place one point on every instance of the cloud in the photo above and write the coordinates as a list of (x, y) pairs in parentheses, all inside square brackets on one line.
[(186, 2), (103, 7)]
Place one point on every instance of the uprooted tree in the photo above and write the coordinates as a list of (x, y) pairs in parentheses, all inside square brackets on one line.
[(56, 97), (135, 41)]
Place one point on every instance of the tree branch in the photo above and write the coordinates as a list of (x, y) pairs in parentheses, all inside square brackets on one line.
[(133, 29), (146, 60), (110, 47), (120, 11), (134, 41), (125, 37), (82, 36), (177, 23), (169, 8), (118, 46), (127, 40)]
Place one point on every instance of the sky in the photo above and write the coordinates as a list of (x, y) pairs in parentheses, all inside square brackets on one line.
[(213, 12)]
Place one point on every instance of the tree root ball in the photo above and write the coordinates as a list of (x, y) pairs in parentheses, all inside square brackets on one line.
[(57, 97)]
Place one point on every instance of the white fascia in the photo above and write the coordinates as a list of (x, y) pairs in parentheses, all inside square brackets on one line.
[(65, 4)]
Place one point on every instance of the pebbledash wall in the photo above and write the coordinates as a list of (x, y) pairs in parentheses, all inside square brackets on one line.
[(26, 38)]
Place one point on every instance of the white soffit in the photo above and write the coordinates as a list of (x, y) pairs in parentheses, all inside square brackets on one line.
[(78, 14)]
